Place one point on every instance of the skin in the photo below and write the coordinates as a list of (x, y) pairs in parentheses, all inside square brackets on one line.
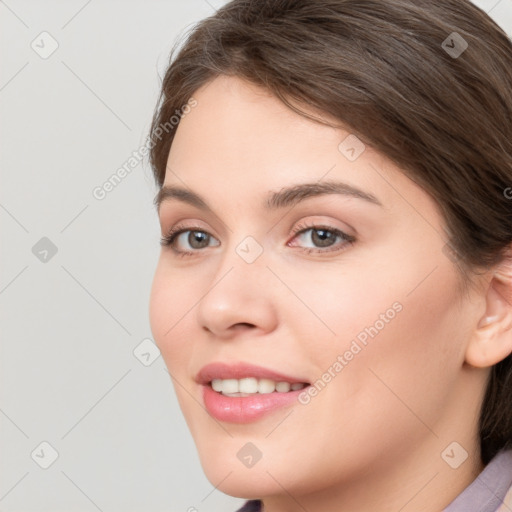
[(372, 438)]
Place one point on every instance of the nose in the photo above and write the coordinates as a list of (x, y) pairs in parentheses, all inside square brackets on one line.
[(238, 298)]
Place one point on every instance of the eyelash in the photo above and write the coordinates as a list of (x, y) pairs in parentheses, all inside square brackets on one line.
[(170, 238)]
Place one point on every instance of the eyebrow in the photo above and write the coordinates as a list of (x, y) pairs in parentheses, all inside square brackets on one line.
[(286, 197)]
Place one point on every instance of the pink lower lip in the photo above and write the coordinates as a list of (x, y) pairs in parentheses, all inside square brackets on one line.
[(244, 409)]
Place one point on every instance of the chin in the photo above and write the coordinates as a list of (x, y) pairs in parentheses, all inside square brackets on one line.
[(266, 477), (239, 482)]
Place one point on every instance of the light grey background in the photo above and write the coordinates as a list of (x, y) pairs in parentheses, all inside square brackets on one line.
[(70, 324)]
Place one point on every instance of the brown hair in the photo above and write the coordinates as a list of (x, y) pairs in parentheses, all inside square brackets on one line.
[(384, 69)]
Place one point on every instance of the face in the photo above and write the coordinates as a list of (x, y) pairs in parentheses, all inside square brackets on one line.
[(348, 293)]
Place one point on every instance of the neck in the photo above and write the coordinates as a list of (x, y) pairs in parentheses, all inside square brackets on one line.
[(422, 483)]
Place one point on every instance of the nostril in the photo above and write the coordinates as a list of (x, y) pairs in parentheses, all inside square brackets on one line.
[(243, 325)]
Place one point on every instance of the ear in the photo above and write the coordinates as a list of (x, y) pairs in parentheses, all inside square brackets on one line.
[(491, 341)]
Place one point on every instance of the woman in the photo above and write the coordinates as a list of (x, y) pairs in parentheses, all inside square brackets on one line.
[(333, 298)]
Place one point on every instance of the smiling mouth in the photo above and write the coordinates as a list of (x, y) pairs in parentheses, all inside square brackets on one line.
[(241, 392), (251, 386)]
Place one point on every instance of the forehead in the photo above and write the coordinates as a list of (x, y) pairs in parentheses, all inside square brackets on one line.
[(238, 122), (240, 142)]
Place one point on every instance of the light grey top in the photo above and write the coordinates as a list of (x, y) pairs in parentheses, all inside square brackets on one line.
[(491, 491)]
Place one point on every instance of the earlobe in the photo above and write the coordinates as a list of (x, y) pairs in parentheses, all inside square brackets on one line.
[(491, 342)]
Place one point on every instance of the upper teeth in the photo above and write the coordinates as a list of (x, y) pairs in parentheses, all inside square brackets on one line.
[(252, 385)]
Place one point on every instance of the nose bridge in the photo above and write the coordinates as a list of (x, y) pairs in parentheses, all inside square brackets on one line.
[(242, 268), (237, 293), (244, 254)]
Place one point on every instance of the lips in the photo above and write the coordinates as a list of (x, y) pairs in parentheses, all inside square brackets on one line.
[(244, 409)]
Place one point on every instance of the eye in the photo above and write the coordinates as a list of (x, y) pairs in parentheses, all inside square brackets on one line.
[(322, 237), (195, 236)]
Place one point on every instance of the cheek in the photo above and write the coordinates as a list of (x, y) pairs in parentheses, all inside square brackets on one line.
[(167, 317), (398, 329), (410, 361), (168, 307), (402, 297)]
